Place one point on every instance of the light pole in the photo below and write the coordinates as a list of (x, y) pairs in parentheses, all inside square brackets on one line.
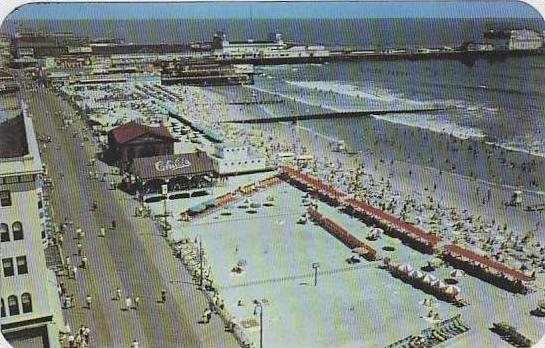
[(164, 191), (315, 265), (201, 266), (259, 305)]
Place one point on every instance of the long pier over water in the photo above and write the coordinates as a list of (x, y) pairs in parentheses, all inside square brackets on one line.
[(347, 114)]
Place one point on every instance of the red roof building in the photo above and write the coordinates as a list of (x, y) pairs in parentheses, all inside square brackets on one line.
[(133, 140)]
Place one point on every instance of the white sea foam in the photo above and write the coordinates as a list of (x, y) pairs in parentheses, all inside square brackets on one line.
[(423, 122), (370, 93)]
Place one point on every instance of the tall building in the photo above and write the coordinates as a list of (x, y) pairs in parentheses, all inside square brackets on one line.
[(30, 308)]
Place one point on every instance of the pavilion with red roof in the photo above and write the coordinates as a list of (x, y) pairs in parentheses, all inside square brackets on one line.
[(134, 140)]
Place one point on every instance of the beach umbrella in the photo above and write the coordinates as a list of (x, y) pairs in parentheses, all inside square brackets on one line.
[(429, 278), (416, 274), (405, 268), (457, 273), (452, 290), (439, 284)]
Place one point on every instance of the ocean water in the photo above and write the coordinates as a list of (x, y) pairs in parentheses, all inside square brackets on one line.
[(498, 101)]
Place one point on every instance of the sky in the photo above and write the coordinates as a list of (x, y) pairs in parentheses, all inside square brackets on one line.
[(256, 10)]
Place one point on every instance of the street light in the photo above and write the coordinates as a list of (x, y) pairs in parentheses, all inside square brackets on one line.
[(201, 281), (164, 191), (315, 265), (259, 305)]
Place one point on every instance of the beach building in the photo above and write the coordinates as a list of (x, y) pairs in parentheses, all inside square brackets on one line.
[(30, 313), (185, 175), (232, 159), (515, 40), (274, 47), (480, 47), (134, 140)]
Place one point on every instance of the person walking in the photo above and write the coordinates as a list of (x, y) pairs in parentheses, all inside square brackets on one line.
[(118, 294), (88, 301), (86, 334), (163, 295), (128, 303), (62, 287), (136, 302), (79, 246), (84, 262), (207, 315), (74, 272), (114, 225)]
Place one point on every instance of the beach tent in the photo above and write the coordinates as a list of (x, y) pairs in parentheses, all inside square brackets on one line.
[(416, 274), (405, 268), (429, 278), (457, 273), (452, 290), (439, 284)]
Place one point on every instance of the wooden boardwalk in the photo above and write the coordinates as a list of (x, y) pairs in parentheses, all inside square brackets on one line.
[(133, 257)]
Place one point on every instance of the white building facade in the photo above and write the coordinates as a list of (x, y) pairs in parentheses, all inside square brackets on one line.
[(229, 159), (30, 306)]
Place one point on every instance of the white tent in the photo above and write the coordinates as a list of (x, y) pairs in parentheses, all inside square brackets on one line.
[(439, 284), (452, 290), (428, 278), (416, 274), (406, 268), (457, 273)]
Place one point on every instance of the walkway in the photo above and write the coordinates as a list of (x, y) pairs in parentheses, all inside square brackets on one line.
[(133, 257)]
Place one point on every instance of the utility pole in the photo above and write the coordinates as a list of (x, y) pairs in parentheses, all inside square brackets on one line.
[(315, 265)]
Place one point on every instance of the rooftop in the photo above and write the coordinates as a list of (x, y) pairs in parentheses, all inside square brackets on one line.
[(19, 151), (13, 141), (132, 130)]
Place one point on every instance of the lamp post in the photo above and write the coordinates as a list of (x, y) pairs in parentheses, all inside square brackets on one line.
[(164, 191), (259, 305), (315, 265), (201, 261)]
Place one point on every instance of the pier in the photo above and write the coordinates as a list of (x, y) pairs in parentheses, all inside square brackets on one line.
[(334, 115)]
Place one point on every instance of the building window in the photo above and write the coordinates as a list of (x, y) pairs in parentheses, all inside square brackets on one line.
[(7, 265), (17, 230), (26, 302), (22, 267), (2, 308), (5, 198), (11, 180), (4, 233), (13, 305)]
